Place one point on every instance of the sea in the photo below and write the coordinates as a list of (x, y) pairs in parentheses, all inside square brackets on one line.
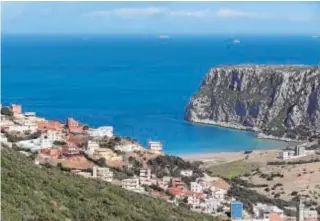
[(140, 84)]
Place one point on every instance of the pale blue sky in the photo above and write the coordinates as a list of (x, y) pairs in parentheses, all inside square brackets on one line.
[(161, 17)]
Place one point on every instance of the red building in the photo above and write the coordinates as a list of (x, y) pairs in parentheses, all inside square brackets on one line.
[(176, 183)]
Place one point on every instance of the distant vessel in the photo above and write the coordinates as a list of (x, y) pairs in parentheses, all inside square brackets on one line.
[(164, 36), (236, 41)]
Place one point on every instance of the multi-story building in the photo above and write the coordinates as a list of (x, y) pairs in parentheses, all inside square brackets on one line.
[(186, 173), (102, 173), (218, 193), (310, 215), (196, 187), (130, 184), (300, 208), (106, 131), (300, 150), (145, 176), (194, 201), (23, 126), (52, 135), (92, 146), (236, 209), (128, 147), (155, 146), (261, 210)]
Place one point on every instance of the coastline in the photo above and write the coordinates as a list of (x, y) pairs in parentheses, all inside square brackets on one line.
[(223, 157), (257, 131)]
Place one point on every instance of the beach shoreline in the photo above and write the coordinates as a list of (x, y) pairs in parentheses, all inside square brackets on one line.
[(256, 131), (228, 156)]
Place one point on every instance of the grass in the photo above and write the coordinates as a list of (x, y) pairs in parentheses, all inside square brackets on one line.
[(29, 192), (232, 169)]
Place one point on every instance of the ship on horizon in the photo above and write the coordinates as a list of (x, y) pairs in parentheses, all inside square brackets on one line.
[(236, 41), (164, 36)]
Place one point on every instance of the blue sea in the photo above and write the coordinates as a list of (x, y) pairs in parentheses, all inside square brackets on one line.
[(139, 84)]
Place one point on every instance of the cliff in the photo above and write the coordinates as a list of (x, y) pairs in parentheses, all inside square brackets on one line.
[(280, 101)]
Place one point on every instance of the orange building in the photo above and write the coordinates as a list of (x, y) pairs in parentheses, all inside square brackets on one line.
[(275, 217), (50, 125), (52, 152), (16, 109), (175, 191), (74, 126)]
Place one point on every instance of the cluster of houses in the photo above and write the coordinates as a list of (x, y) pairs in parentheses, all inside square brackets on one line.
[(71, 140), (264, 212)]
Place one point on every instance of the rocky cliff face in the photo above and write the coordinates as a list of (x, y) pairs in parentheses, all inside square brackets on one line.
[(278, 100)]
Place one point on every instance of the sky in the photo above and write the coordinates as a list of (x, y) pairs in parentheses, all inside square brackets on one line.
[(160, 18)]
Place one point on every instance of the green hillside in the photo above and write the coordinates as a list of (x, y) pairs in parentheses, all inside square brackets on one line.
[(48, 194)]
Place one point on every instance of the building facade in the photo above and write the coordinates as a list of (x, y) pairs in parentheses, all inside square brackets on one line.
[(236, 210), (155, 146), (106, 131)]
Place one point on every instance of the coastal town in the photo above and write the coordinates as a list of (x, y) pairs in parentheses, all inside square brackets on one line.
[(98, 153)]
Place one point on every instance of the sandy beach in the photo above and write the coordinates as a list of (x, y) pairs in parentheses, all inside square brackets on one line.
[(255, 155)]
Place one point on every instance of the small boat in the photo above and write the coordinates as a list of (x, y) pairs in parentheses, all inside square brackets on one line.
[(236, 41), (164, 36)]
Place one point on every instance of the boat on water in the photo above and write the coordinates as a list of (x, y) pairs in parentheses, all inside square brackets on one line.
[(164, 36), (236, 41)]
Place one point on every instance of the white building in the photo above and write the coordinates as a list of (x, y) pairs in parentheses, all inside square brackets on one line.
[(300, 150), (261, 210), (128, 147), (194, 201), (131, 184), (30, 114), (163, 184), (52, 135), (84, 174), (33, 145), (102, 173), (310, 215), (218, 193), (32, 128), (284, 155), (186, 173), (92, 146), (166, 179), (155, 146), (145, 177), (212, 204), (101, 132), (196, 187), (47, 139)]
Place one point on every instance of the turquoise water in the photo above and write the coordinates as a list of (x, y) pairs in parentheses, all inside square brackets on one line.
[(138, 84)]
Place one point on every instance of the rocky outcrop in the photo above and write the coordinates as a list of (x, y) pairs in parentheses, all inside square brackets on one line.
[(281, 101)]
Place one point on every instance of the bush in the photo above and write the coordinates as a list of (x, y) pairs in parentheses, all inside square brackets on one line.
[(57, 196)]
